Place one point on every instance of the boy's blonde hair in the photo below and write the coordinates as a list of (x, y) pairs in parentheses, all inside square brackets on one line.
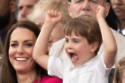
[(85, 27), (119, 71), (43, 6)]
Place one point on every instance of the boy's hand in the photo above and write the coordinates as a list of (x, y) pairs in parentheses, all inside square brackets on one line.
[(53, 17), (100, 12)]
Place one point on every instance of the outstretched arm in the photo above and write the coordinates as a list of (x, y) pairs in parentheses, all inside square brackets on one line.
[(110, 47), (40, 48)]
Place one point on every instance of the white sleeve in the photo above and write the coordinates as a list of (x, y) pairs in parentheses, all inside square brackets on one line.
[(55, 67), (101, 66), (57, 48)]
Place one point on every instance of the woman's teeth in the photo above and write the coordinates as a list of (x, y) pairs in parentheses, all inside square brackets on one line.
[(21, 59)]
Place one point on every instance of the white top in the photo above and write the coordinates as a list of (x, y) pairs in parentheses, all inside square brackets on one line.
[(94, 71), (58, 50)]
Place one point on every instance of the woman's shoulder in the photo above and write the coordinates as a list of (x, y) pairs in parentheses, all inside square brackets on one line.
[(50, 79)]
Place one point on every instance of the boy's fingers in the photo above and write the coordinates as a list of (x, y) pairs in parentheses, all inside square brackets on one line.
[(60, 15), (49, 13)]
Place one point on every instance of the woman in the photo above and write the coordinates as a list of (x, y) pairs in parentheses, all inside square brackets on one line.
[(119, 9), (18, 65)]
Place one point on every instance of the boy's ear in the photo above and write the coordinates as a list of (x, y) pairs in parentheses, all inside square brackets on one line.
[(94, 46)]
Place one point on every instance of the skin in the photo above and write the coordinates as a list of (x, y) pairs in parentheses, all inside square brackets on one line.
[(53, 18), (79, 8), (24, 8), (96, 9), (110, 45), (20, 54), (119, 9), (80, 48), (56, 34)]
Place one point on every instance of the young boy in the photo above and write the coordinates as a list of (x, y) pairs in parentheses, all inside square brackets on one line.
[(82, 41)]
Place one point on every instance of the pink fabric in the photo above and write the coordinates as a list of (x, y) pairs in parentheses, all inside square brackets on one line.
[(48, 79)]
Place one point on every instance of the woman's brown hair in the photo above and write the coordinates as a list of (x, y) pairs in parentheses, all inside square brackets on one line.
[(8, 73)]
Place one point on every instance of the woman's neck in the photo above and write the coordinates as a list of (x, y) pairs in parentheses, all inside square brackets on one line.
[(28, 77)]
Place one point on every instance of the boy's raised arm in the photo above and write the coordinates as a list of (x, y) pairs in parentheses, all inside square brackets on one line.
[(110, 47), (40, 48)]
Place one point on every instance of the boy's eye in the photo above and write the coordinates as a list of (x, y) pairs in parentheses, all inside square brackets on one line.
[(76, 41), (66, 40)]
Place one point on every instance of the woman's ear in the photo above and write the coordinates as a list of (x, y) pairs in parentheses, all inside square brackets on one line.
[(94, 46), (13, 6)]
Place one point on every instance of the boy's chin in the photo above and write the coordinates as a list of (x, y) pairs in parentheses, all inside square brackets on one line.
[(76, 64)]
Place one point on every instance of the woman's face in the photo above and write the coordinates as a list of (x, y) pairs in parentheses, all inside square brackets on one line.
[(21, 46), (119, 8)]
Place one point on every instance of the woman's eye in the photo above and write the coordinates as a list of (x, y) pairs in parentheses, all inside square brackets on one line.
[(13, 45), (29, 45)]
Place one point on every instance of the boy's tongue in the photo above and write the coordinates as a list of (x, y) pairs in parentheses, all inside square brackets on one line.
[(74, 58)]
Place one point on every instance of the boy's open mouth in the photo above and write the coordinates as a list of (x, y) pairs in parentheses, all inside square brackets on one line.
[(74, 57)]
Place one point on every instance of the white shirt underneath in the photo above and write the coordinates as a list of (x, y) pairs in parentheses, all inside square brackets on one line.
[(93, 71), (122, 31)]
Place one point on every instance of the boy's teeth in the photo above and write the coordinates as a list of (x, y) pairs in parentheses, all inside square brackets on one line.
[(21, 59)]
